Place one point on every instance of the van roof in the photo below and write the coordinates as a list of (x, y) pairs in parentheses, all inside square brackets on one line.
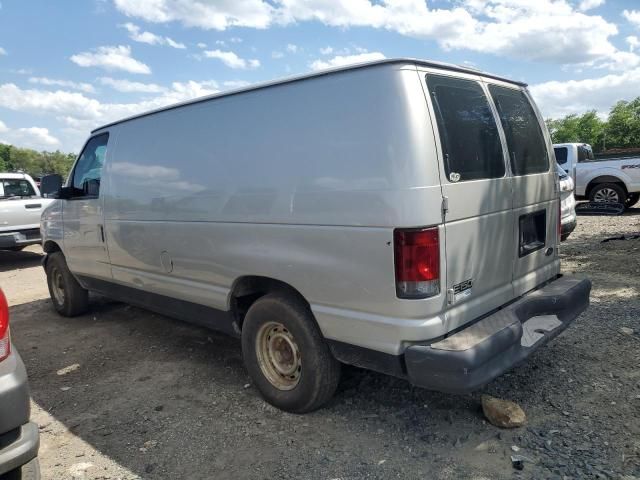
[(402, 60)]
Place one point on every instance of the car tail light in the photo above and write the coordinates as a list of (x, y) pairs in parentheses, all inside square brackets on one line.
[(417, 262), (5, 344)]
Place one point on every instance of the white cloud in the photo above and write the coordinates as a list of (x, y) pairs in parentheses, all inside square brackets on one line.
[(79, 114), (128, 86), (174, 44), (201, 45), (632, 16), (326, 50), (204, 14), (590, 4), (291, 48), (342, 60), (30, 137), (2, 51), (276, 54), (150, 38), (83, 87), (557, 99), (231, 60), (111, 58), (633, 41), (235, 40), (554, 31)]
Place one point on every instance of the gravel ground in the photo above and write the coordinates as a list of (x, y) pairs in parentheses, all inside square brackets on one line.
[(122, 393)]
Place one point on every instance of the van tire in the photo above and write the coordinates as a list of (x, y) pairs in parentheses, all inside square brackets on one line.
[(292, 324), (606, 190), (68, 297)]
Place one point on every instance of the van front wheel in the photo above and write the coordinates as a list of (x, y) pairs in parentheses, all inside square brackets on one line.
[(68, 296), (286, 356)]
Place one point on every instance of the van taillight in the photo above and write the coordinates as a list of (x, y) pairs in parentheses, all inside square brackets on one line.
[(5, 344), (417, 261)]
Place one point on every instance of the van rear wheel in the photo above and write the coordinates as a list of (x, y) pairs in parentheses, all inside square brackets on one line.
[(68, 296), (286, 356)]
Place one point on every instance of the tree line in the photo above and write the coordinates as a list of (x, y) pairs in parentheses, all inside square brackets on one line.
[(621, 129), (15, 159)]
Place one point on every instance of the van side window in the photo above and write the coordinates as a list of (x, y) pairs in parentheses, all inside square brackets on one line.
[(468, 132), (88, 169), (561, 155), (527, 149)]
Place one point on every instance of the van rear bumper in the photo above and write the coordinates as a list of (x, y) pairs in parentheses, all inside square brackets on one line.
[(472, 357)]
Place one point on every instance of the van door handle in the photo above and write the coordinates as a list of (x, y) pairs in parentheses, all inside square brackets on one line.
[(33, 205), (101, 228)]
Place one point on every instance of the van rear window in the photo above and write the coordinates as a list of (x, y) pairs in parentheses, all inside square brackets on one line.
[(468, 132), (525, 141)]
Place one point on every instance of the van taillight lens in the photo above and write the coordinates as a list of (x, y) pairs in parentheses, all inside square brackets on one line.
[(417, 260), (5, 344)]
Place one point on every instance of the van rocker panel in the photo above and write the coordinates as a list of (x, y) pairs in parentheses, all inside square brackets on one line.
[(472, 357)]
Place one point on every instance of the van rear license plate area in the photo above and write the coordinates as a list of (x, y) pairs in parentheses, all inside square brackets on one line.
[(533, 232)]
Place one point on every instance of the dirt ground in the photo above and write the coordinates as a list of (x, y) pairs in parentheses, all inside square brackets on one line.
[(122, 393)]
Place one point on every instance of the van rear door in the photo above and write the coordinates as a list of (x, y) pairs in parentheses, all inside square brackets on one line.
[(535, 197), (477, 191)]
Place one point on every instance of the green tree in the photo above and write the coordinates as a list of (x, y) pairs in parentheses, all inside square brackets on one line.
[(620, 130), (623, 126), (585, 128), (14, 159)]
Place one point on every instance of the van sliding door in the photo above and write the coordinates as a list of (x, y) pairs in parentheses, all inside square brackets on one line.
[(479, 220)]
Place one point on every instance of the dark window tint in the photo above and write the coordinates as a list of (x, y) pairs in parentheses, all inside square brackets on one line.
[(561, 155), (525, 141), (585, 153), (16, 188), (468, 131), (88, 170)]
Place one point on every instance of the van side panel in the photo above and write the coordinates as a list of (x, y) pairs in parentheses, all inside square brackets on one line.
[(303, 183)]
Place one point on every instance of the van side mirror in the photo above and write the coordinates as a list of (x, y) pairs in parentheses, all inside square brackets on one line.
[(50, 185)]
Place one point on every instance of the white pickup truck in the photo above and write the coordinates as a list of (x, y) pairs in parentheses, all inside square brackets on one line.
[(20, 208), (615, 179)]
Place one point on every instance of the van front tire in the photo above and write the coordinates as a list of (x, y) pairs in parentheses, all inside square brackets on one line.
[(68, 297), (286, 356)]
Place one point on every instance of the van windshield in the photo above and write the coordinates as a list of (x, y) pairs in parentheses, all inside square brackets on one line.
[(15, 188), (527, 147)]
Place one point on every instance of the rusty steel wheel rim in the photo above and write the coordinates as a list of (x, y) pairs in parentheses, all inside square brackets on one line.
[(278, 356), (57, 286)]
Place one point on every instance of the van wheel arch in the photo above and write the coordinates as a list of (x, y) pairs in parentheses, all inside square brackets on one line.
[(246, 290), (50, 246)]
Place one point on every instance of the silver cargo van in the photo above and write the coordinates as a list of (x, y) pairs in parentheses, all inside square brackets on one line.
[(400, 215)]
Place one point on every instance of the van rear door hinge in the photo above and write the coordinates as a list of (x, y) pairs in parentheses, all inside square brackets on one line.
[(445, 204)]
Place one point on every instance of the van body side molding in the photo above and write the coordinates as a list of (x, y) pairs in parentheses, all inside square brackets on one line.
[(202, 315)]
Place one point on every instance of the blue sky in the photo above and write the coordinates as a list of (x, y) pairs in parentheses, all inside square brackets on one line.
[(68, 66)]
